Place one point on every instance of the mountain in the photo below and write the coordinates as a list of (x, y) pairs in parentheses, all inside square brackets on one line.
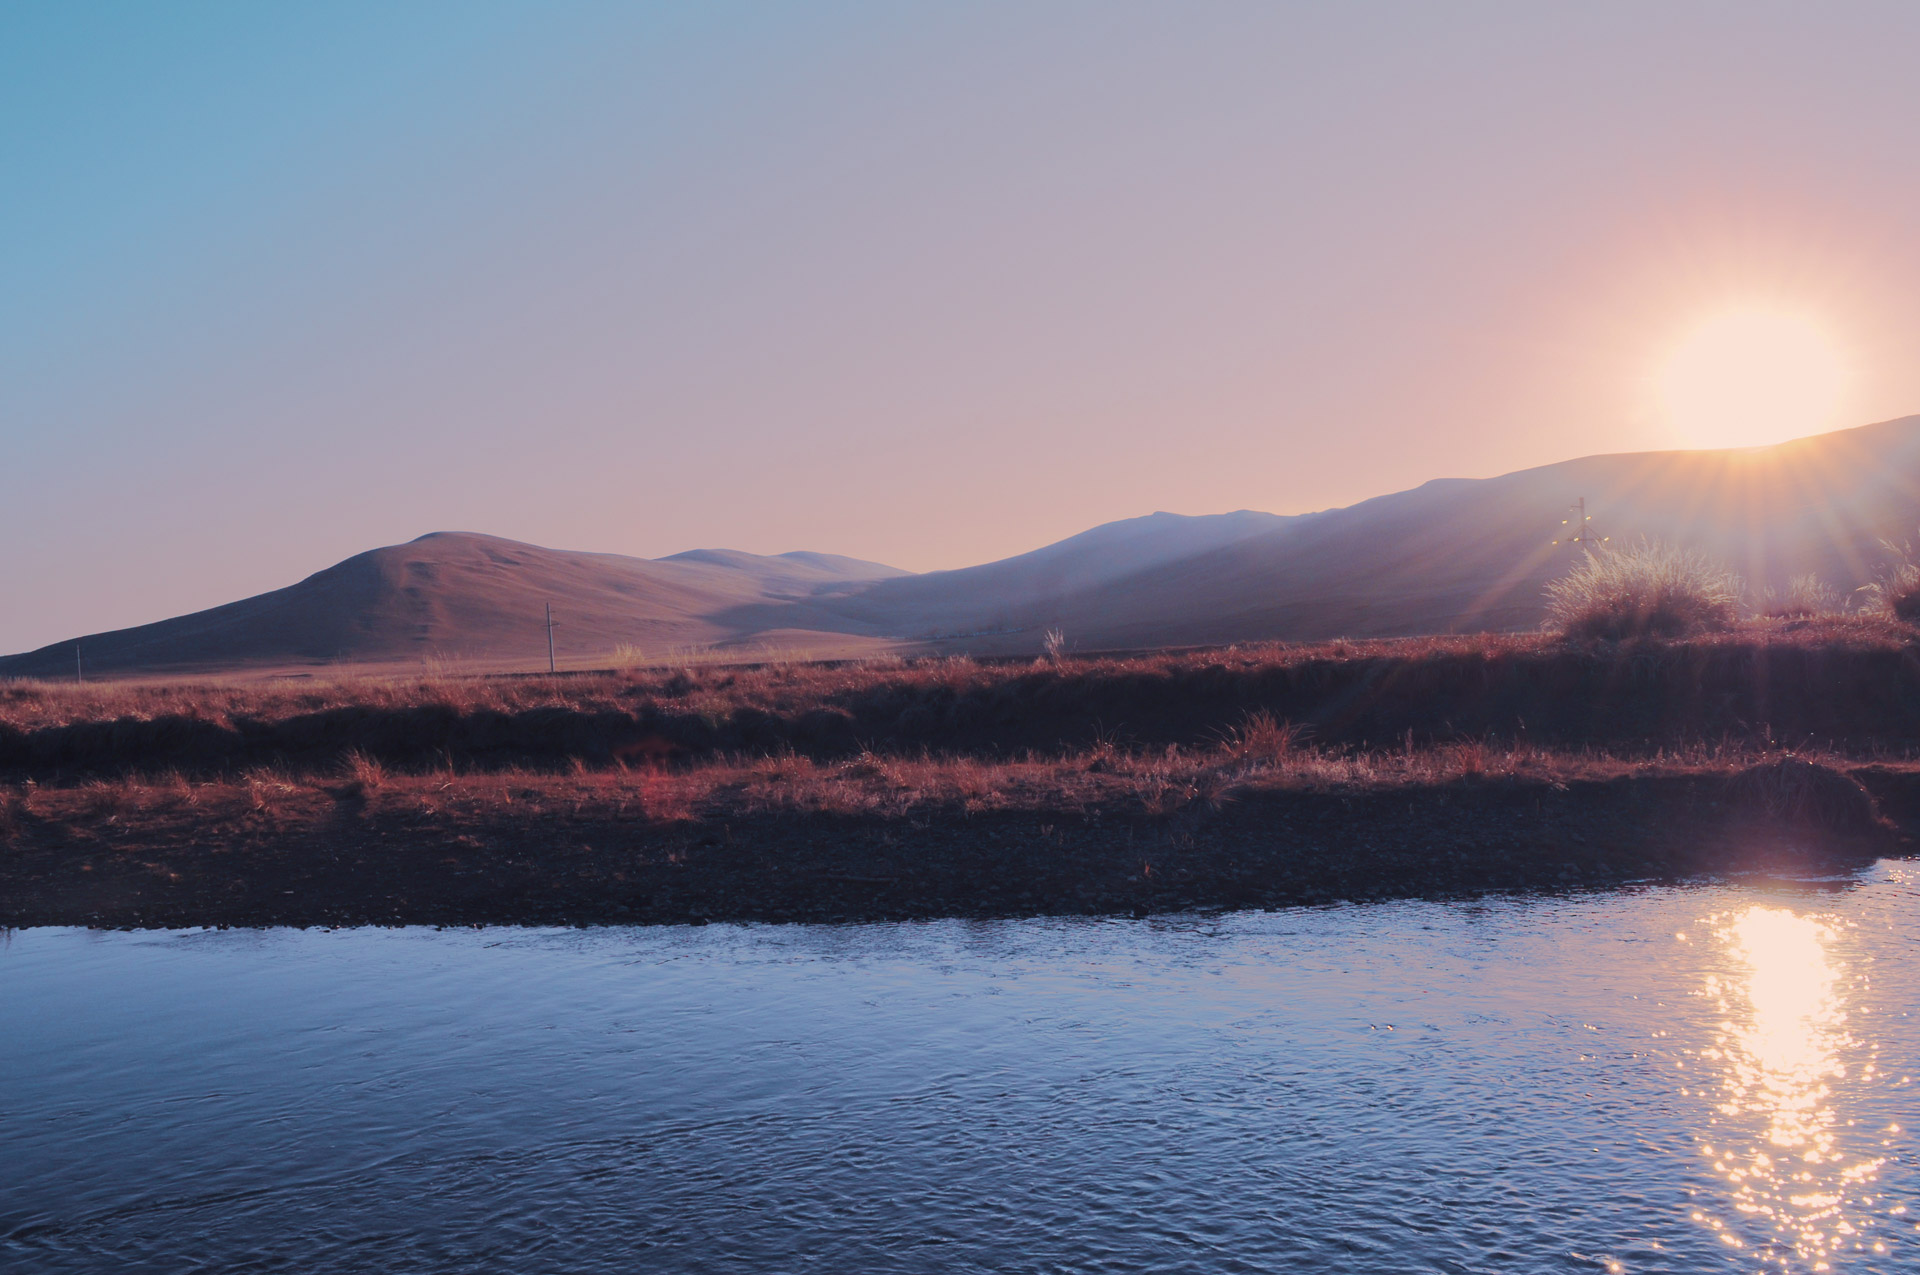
[(1452, 555), (1019, 593), (1463, 555), (473, 599)]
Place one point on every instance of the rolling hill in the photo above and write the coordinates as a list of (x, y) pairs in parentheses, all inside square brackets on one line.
[(1449, 556), (477, 601), (1467, 555)]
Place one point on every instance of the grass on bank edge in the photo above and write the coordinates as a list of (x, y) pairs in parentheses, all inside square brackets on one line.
[(788, 689), (1262, 756)]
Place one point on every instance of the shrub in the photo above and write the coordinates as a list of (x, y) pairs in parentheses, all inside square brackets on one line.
[(1897, 591), (1803, 598), (1651, 590)]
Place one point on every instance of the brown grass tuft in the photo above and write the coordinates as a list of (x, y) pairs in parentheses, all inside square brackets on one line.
[(1261, 737), (360, 769), (267, 790)]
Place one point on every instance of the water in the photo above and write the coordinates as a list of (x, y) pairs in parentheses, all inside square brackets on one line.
[(1716, 1078)]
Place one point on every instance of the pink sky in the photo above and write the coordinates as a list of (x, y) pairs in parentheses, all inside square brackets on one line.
[(919, 284)]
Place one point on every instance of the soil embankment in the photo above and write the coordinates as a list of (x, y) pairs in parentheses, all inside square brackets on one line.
[(560, 855), (1229, 778)]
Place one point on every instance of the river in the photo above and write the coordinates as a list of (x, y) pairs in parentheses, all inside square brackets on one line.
[(1707, 1078)]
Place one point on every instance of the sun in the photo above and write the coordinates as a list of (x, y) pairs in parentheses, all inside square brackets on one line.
[(1751, 376)]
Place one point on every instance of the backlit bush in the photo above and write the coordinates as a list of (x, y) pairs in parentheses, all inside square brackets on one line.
[(1651, 590)]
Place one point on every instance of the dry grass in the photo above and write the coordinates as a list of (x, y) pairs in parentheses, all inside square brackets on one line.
[(626, 655), (363, 771), (1649, 590), (1260, 737), (1081, 787), (271, 792), (779, 688), (1851, 678), (1160, 781), (1895, 593), (1805, 597), (693, 682)]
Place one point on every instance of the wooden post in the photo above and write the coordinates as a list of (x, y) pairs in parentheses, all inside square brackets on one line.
[(550, 665), (79, 674)]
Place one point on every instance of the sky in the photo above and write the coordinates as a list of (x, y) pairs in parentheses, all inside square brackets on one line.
[(924, 284)]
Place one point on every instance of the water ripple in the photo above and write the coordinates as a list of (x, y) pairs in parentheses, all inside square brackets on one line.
[(1709, 1079)]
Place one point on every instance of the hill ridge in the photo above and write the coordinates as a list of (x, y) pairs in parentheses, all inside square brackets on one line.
[(1450, 555)]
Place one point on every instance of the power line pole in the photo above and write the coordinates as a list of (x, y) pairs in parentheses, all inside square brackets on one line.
[(79, 674), (1581, 534), (550, 666)]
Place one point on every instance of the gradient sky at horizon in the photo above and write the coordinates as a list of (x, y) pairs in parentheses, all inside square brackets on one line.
[(924, 284)]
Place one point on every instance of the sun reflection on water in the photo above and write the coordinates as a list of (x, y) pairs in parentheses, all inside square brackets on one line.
[(1802, 1195)]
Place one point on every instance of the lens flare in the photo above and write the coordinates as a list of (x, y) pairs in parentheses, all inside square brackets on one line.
[(1750, 377)]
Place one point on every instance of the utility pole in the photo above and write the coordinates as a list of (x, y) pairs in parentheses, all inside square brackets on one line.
[(1581, 534), (79, 674), (550, 667)]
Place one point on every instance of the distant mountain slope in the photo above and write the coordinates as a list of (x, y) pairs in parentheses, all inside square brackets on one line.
[(462, 596), (1452, 555), (1465, 555), (1022, 591)]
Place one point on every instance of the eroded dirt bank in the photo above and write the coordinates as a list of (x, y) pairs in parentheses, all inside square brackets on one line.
[(316, 856)]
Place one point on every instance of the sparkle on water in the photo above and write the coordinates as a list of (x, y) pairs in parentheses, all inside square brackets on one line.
[(1713, 1078), (1798, 1193)]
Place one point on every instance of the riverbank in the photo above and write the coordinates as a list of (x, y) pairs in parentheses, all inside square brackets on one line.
[(784, 840), (1848, 685), (949, 787)]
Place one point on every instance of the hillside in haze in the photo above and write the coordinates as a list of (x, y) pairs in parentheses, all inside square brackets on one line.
[(1460, 555), (1452, 555), (474, 599), (1029, 589)]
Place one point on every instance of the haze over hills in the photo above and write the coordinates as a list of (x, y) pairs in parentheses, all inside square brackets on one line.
[(1457, 555), (1026, 590), (1451, 555), (469, 598)]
